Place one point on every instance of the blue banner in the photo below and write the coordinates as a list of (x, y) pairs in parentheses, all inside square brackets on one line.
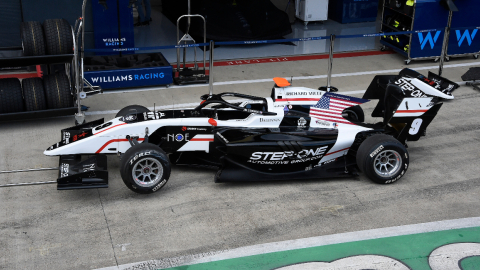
[(426, 37)]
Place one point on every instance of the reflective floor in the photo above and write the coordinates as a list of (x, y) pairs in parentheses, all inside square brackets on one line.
[(162, 32)]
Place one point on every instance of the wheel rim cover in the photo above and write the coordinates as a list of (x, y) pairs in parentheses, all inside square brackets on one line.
[(147, 172), (387, 163)]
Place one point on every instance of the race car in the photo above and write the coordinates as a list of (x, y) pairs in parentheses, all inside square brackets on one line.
[(296, 133)]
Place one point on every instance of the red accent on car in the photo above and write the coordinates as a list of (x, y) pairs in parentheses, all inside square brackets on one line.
[(110, 128), (338, 151), (115, 140), (411, 111), (212, 122), (203, 101), (202, 140)]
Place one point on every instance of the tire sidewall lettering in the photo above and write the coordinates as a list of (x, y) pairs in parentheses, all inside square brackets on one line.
[(161, 184), (136, 157), (377, 151)]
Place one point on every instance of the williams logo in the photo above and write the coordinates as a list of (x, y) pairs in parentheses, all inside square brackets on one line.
[(428, 39), (466, 35), (135, 77), (113, 41)]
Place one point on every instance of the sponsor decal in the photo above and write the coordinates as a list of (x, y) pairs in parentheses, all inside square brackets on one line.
[(428, 39), (308, 168), (335, 125), (269, 120), (408, 88), (66, 137), (129, 118), (252, 111), (290, 107), (152, 116), (132, 77), (184, 128), (466, 35), (313, 93), (114, 41), (89, 167), (223, 138), (323, 123), (326, 162), (376, 151), (79, 136), (103, 126), (194, 113), (177, 137), (64, 168), (274, 158), (302, 122), (195, 128)]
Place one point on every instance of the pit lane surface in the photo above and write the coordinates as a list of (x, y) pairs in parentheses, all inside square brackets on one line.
[(42, 228)]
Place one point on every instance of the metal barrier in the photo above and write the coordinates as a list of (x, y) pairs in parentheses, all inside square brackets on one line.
[(331, 38)]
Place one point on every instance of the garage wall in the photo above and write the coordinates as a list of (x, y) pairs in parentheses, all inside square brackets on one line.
[(10, 19)]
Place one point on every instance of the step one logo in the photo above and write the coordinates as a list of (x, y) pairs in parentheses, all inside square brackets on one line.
[(466, 35), (428, 39)]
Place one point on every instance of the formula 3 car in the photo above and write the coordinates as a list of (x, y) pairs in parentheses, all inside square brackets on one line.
[(296, 133)]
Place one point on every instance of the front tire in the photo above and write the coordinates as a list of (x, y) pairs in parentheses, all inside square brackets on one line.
[(382, 158), (145, 168)]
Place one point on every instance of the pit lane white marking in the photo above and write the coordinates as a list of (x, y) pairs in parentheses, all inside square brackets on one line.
[(356, 262), (294, 78), (448, 257), (310, 242)]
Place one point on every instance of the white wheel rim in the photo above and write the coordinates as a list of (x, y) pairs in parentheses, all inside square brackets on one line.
[(387, 163), (147, 172)]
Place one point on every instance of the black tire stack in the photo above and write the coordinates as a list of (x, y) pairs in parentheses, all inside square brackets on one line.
[(55, 37), (53, 92), (11, 99), (35, 94)]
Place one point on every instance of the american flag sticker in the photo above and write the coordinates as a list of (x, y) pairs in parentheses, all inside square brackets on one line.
[(330, 107)]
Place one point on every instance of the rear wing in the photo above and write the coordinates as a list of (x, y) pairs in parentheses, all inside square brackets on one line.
[(408, 102)]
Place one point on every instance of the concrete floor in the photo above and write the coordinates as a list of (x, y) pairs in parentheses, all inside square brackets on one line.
[(42, 228)]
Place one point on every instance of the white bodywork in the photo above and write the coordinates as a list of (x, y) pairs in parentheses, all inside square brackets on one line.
[(112, 139)]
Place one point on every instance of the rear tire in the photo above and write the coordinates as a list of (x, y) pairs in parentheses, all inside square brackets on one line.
[(382, 158), (145, 168), (57, 91), (58, 36), (34, 94), (33, 41), (11, 99)]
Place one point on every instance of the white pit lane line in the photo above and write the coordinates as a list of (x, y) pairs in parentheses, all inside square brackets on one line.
[(306, 243)]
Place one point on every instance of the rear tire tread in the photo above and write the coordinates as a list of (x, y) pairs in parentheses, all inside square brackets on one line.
[(34, 94), (57, 91), (32, 38), (11, 99), (58, 36)]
